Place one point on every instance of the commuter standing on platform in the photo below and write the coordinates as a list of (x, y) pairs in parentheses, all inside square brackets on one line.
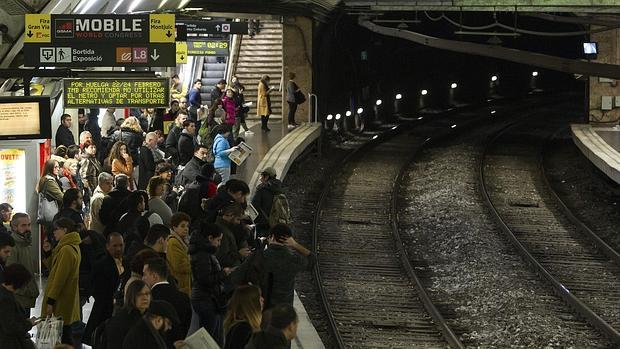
[(121, 162), (263, 199), (229, 103), (137, 301), (282, 329), (90, 167), (221, 149), (148, 153), (187, 142), (291, 90), (22, 254), (14, 325), (105, 181), (195, 100), (177, 252), (263, 103), (218, 91), (64, 135), (62, 296), (244, 316), (6, 210), (6, 248), (172, 141), (108, 270)]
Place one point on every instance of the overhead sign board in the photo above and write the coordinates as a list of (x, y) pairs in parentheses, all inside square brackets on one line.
[(213, 27), (207, 48), (60, 28), (181, 52), (121, 93), (104, 55)]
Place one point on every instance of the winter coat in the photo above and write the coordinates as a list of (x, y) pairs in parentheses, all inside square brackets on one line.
[(159, 206), (191, 171), (90, 168), (263, 102), (263, 200), (126, 168), (103, 288), (291, 88), (228, 252), (178, 260), (180, 302), (64, 136), (14, 326), (219, 201), (216, 94), (22, 254), (132, 138), (146, 167), (230, 106), (52, 189), (95, 207), (194, 98), (268, 339), (186, 147), (220, 146), (62, 290), (208, 276), (238, 336), (144, 336), (113, 206), (119, 325), (172, 143)]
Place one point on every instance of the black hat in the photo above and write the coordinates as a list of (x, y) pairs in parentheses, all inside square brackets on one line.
[(165, 309)]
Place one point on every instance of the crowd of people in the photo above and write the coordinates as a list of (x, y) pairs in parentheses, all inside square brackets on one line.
[(145, 219)]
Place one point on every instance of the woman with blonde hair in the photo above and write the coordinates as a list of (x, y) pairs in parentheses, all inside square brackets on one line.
[(69, 174), (132, 135), (243, 317), (121, 162)]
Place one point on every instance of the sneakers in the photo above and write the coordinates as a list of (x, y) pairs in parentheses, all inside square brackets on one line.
[(290, 126), (248, 132)]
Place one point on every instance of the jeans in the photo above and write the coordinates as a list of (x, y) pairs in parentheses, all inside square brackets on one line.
[(224, 172), (292, 109), (210, 319)]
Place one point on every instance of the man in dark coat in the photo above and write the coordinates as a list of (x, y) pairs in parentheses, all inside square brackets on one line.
[(218, 91), (14, 325), (187, 141), (155, 274), (147, 160), (149, 331), (193, 167), (64, 136), (263, 198), (195, 100), (172, 141), (113, 205), (6, 248), (105, 284), (281, 330)]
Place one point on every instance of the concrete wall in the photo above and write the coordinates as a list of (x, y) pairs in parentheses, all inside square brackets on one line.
[(609, 52), (295, 57)]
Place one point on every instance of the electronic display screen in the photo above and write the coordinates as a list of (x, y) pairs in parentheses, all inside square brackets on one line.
[(25, 118), (590, 48)]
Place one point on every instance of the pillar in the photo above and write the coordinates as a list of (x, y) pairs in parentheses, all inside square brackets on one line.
[(297, 58), (608, 52)]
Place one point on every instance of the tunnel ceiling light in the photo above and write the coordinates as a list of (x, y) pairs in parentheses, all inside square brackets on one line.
[(420, 117), (395, 127), (424, 92), (338, 116), (494, 78), (375, 136), (399, 96), (330, 116), (453, 85), (348, 113), (453, 126), (133, 5), (379, 102), (360, 110), (493, 111), (534, 73)]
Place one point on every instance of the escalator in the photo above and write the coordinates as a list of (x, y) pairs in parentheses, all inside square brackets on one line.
[(213, 70)]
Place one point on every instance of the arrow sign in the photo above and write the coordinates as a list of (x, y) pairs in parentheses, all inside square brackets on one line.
[(168, 34), (155, 56), (217, 27), (182, 57), (29, 33)]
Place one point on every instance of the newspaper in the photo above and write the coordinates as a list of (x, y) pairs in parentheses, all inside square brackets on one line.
[(247, 104), (241, 153), (200, 340)]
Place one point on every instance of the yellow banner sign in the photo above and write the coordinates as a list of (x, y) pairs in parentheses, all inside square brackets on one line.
[(38, 28), (181, 52), (161, 28)]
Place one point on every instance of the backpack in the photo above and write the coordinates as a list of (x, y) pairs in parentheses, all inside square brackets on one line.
[(191, 200), (280, 212)]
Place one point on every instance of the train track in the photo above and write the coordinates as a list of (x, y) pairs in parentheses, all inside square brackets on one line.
[(369, 290), (565, 254)]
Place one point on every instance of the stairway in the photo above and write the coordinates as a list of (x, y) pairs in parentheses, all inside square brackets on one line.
[(212, 72), (258, 56)]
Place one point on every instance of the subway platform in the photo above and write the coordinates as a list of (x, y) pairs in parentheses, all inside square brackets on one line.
[(278, 148), (601, 145)]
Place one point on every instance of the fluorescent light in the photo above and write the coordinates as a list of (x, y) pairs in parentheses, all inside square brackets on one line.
[(395, 127), (360, 110), (133, 5), (399, 96), (379, 102), (453, 126), (192, 9), (338, 116), (88, 6), (493, 111), (534, 73), (182, 4), (494, 78), (424, 92), (118, 4), (348, 113), (420, 117), (162, 3), (330, 116), (375, 136), (453, 85)]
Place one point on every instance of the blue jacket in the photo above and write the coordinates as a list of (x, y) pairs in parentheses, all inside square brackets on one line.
[(220, 145), (194, 98)]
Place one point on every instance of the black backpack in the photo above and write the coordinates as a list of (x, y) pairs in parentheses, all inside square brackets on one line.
[(190, 201)]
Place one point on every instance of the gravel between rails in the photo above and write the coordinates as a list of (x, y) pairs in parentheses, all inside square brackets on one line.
[(497, 301)]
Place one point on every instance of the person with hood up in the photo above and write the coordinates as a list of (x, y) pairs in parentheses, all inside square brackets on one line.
[(61, 297), (208, 299), (269, 187)]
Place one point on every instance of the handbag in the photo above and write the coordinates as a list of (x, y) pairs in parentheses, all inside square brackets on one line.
[(49, 332), (47, 209), (299, 97)]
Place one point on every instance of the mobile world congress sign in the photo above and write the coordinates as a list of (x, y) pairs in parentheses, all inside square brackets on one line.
[(99, 40)]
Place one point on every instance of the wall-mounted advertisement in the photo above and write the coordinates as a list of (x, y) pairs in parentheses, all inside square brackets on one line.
[(13, 174)]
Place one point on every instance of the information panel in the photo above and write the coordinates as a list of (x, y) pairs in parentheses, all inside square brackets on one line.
[(119, 93), (214, 27), (25, 118), (13, 174), (207, 48)]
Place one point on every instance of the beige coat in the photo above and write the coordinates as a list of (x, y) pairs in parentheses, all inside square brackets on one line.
[(262, 104)]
